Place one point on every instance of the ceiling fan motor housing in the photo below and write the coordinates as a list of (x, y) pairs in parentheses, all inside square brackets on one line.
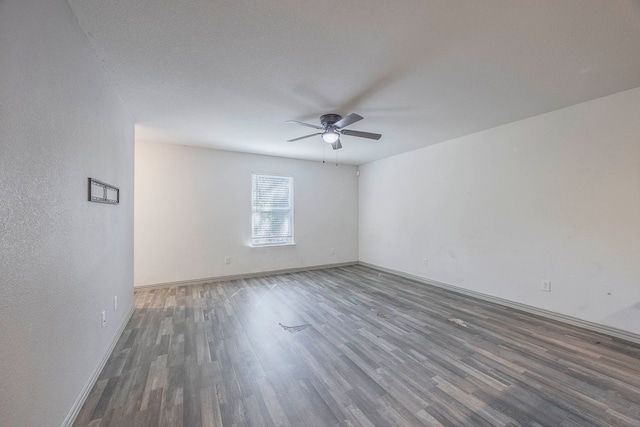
[(329, 119)]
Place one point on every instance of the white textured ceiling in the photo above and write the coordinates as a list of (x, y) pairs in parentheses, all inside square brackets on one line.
[(226, 74)]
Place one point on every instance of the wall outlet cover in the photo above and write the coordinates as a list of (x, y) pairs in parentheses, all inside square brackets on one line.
[(545, 286)]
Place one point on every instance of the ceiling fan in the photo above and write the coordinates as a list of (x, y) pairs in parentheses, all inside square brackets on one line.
[(332, 126)]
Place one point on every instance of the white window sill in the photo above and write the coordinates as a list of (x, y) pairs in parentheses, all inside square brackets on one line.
[(273, 245)]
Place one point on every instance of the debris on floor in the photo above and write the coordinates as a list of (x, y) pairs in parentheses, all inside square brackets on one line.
[(293, 329), (384, 316), (457, 321)]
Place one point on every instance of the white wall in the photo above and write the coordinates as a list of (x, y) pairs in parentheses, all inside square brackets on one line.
[(193, 208), (62, 259), (553, 197)]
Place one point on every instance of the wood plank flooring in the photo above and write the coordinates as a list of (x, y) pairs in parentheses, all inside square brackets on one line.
[(354, 347)]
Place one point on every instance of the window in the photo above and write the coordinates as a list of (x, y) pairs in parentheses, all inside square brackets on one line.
[(272, 210)]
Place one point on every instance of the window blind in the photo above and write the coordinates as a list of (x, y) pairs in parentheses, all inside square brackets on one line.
[(272, 210)]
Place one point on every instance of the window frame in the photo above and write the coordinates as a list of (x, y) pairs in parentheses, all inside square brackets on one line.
[(254, 242)]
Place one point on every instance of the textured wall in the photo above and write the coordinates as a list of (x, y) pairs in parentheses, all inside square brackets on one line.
[(554, 197), (63, 259), (193, 208)]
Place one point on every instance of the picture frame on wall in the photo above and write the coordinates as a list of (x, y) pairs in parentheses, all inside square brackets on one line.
[(101, 192)]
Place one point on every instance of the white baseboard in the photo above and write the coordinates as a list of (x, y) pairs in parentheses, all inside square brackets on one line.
[(596, 327), (84, 393), (239, 276)]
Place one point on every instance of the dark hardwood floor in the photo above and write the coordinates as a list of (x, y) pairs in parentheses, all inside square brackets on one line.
[(354, 347)]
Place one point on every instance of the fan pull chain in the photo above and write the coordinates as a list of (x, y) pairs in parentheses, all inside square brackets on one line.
[(323, 152)]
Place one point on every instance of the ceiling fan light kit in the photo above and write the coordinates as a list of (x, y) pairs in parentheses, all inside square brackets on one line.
[(330, 136), (332, 128)]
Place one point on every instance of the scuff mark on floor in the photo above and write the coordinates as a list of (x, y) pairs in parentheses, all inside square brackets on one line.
[(457, 321), (293, 329)]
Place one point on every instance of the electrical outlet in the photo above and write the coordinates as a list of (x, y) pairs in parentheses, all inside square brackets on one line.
[(104, 318), (227, 260), (115, 303), (333, 251), (425, 262), (545, 286)]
